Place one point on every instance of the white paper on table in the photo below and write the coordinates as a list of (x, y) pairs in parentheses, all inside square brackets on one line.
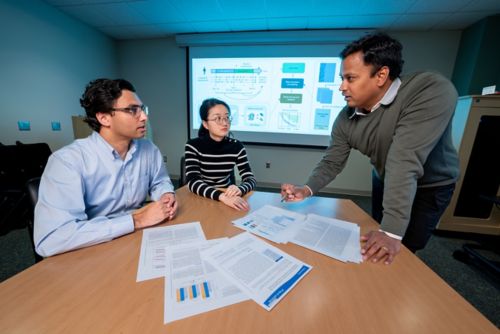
[(265, 273), (152, 257), (270, 222), (193, 286), (332, 237)]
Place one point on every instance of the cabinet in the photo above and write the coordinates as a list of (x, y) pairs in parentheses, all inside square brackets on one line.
[(475, 206), (80, 128)]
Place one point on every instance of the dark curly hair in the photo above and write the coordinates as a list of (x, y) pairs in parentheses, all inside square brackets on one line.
[(378, 50), (100, 96), (205, 108)]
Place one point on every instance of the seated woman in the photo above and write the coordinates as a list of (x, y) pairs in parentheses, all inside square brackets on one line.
[(210, 158)]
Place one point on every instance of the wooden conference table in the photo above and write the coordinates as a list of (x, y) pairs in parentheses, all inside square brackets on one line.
[(94, 290)]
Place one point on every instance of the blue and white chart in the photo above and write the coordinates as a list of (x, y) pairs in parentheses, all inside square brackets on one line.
[(273, 95)]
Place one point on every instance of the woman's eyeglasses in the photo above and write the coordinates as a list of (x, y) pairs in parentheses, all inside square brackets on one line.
[(221, 120)]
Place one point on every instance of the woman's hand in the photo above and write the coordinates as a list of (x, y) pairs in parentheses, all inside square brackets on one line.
[(236, 202), (233, 191)]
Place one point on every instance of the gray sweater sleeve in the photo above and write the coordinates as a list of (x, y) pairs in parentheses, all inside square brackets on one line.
[(335, 156), (422, 122)]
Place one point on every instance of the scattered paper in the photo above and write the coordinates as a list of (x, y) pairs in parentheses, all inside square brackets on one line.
[(193, 286), (270, 222), (265, 273), (152, 258)]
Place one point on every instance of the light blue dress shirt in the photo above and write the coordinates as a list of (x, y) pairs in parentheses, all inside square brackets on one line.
[(87, 193)]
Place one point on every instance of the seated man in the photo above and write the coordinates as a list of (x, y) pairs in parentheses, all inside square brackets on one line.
[(92, 190)]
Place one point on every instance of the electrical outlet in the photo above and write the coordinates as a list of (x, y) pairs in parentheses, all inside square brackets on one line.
[(268, 164)]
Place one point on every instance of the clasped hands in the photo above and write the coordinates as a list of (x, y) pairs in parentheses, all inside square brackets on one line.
[(232, 198), (378, 246), (155, 212)]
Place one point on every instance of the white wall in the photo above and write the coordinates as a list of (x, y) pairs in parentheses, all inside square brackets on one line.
[(433, 50), (158, 69), (46, 59)]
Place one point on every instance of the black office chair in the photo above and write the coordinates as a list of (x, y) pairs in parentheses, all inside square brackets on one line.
[(13, 204), (182, 177), (32, 192)]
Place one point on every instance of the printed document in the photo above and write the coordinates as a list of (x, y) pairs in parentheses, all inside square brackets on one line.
[(270, 222), (193, 286), (332, 237), (152, 258), (265, 273)]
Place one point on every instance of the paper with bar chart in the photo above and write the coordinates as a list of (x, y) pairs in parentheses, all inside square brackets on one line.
[(192, 285), (152, 258), (270, 222), (265, 273)]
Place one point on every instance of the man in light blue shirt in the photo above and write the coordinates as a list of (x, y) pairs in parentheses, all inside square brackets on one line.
[(93, 189)]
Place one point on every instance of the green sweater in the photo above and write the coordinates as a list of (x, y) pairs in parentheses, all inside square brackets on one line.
[(408, 142)]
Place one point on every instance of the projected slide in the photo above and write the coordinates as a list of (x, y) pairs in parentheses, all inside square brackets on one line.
[(271, 95)]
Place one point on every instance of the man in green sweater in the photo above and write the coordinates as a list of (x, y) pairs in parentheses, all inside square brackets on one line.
[(404, 126)]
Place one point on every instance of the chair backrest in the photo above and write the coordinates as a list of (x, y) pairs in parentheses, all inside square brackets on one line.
[(182, 177), (32, 191)]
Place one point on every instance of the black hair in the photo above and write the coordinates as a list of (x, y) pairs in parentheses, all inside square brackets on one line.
[(378, 50), (100, 96), (204, 109)]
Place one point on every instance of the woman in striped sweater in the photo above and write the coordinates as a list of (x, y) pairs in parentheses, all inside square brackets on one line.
[(211, 158)]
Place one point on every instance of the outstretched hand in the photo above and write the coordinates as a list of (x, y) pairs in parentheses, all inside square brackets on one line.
[(291, 193)]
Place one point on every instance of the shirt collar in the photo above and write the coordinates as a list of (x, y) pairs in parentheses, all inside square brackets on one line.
[(387, 99), (107, 146)]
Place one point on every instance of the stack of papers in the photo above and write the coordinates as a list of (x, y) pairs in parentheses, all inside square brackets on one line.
[(332, 237), (203, 275)]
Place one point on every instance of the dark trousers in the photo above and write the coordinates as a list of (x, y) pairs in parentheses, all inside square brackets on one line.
[(428, 206)]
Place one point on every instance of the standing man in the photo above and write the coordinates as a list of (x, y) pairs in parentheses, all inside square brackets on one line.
[(92, 190), (404, 126)]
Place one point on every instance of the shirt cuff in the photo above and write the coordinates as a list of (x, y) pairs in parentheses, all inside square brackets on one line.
[(394, 236), (306, 186), (122, 225)]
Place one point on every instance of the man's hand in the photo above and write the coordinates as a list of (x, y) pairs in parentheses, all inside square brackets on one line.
[(155, 212), (291, 193), (169, 200), (379, 246), (233, 191), (235, 202)]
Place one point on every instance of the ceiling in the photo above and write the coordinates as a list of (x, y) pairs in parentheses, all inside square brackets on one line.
[(137, 19)]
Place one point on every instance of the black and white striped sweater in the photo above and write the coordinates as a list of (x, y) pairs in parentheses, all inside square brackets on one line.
[(210, 165)]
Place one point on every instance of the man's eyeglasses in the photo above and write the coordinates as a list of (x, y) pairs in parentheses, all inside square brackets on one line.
[(221, 120), (134, 110)]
